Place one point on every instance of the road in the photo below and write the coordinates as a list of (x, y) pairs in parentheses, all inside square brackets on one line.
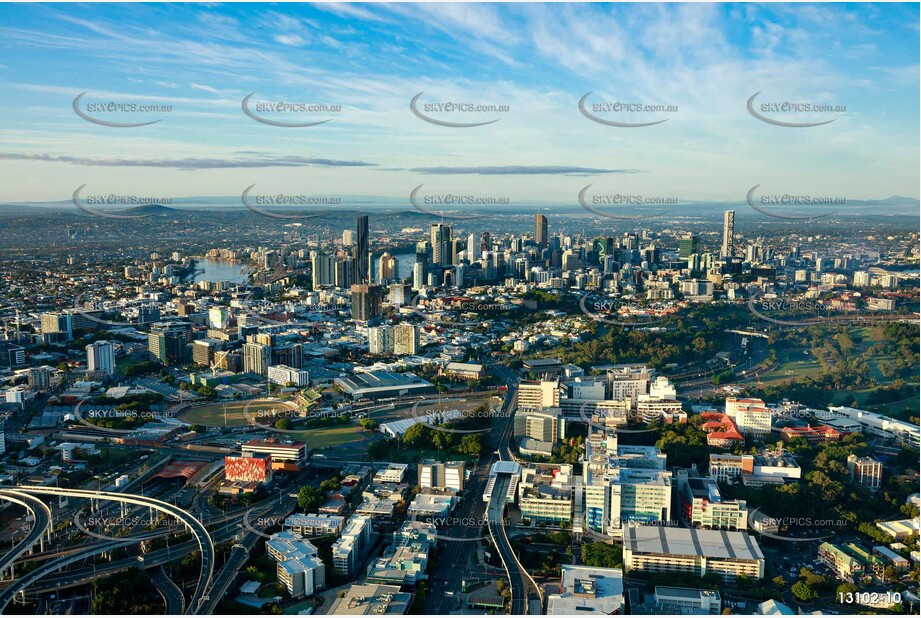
[(41, 524), (198, 530), (33, 576), (461, 540), (172, 595)]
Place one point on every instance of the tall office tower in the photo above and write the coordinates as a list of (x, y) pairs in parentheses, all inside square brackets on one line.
[(348, 238), (367, 301), (100, 358), (454, 250), (362, 249), (256, 358), (166, 343), (344, 273), (485, 244), (688, 245), (323, 268), (729, 224), (388, 268), (472, 248), (441, 243), (418, 276), (405, 339), (540, 230), (58, 325)]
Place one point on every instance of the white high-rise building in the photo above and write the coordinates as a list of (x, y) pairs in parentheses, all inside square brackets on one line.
[(418, 276), (284, 375), (218, 317), (380, 340), (751, 416), (729, 221), (100, 358)]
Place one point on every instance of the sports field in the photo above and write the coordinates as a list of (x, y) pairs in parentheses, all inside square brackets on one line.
[(231, 414)]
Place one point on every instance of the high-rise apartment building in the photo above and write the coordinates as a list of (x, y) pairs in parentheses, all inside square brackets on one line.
[(100, 358), (362, 249), (729, 224), (256, 358)]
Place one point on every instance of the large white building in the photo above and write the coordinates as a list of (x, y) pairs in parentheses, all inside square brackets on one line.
[(283, 375), (877, 425), (657, 549), (623, 484), (447, 475), (628, 382), (298, 567), (536, 394), (755, 470), (545, 493), (100, 358), (751, 416), (349, 549), (588, 590)]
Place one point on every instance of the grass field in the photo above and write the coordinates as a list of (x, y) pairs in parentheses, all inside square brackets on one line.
[(213, 415), (793, 364)]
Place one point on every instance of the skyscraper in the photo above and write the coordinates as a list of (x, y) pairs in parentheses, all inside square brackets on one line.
[(388, 268), (323, 269), (100, 358), (367, 301), (256, 358), (729, 221), (540, 230), (688, 245), (362, 249), (441, 236)]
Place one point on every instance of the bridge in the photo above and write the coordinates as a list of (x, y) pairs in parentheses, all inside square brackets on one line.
[(41, 526), (198, 530)]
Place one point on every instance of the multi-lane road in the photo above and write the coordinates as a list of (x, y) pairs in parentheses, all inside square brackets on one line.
[(41, 524)]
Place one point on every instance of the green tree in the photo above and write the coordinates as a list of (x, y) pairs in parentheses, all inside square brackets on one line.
[(804, 592), (310, 498)]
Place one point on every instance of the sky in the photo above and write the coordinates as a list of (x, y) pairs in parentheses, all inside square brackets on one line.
[(702, 62)]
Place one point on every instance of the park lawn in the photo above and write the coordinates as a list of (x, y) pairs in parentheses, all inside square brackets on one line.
[(793, 364), (212, 415)]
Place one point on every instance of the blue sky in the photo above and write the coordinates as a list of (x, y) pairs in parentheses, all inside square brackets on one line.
[(539, 60)]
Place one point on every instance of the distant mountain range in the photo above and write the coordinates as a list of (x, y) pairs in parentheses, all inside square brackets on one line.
[(892, 205)]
